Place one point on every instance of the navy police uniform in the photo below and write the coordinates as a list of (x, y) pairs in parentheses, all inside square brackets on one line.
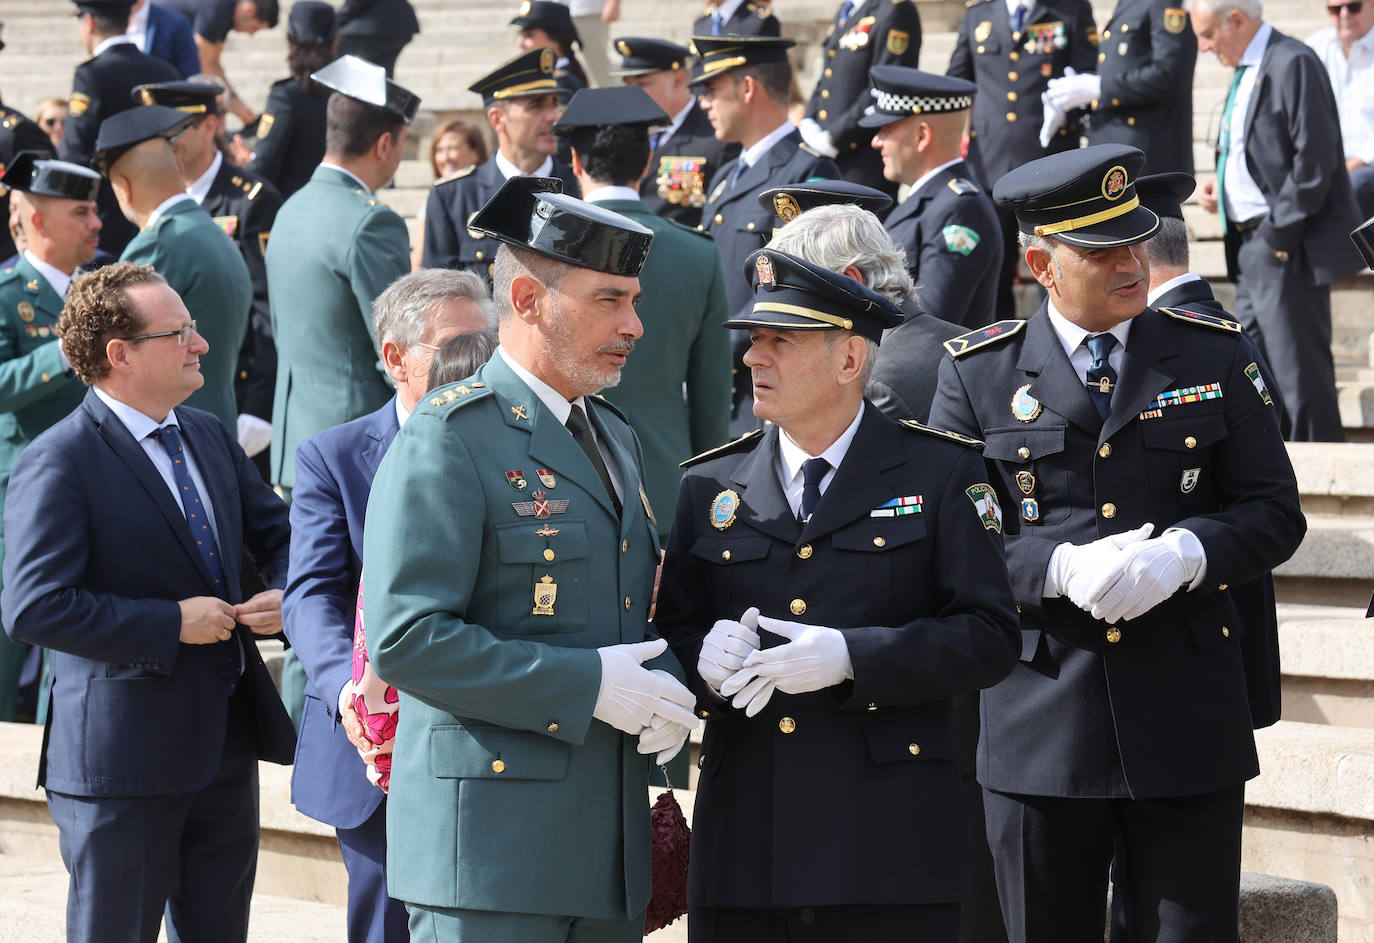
[(746, 19), (876, 32), (1135, 733), (290, 141), (861, 838)]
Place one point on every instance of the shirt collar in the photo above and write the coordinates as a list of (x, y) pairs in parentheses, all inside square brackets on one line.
[(681, 116), (1071, 335), (139, 424), (402, 414), (58, 279), (728, 8), (200, 187), (163, 207), (112, 41), (793, 455), (922, 180), (554, 401), (611, 193), (347, 173), (509, 170), (754, 154), (1255, 51), (1170, 285)]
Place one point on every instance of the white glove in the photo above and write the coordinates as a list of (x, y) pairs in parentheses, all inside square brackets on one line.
[(1153, 571), (1083, 572), (1054, 120), (816, 136), (631, 696), (815, 658), (254, 435), (726, 646), (664, 737), (1073, 90)]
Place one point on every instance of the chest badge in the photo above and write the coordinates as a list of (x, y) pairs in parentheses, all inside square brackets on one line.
[(540, 505), (545, 592), (516, 479), (546, 478), (1030, 510), (26, 313), (1024, 407), (1189, 480), (723, 509), (1026, 482), (982, 31)]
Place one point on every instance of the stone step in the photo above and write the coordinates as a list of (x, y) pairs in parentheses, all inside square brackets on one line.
[(1328, 665), (1334, 479), (1333, 566)]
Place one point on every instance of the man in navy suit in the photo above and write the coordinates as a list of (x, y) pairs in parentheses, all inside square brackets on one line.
[(165, 34), (128, 522), (334, 471)]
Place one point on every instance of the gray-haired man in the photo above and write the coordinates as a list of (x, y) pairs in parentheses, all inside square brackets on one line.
[(334, 471)]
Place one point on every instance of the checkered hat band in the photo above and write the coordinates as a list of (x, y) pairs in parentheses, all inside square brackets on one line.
[(919, 104)]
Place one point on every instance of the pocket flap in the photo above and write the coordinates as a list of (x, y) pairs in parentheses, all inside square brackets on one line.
[(1185, 433), (487, 752), (726, 550), (880, 534), (903, 740), (521, 543), (1006, 445)]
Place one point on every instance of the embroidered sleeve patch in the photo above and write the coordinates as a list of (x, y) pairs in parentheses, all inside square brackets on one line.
[(1257, 378), (960, 239), (985, 503)]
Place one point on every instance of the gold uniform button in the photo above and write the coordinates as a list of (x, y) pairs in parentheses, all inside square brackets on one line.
[(1023, 452), (787, 725), (825, 93), (498, 766), (718, 219), (548, 554), (1014, 55), (243, 374), (624, 546), (798, 607), (703, 713), (1113, 635), (1125, 27), (1105, 451), (1190, 443), (1108, 511), (1012, 76), (822, 114), (1106, 34), (1101, 57), (914, 749), (480, 256), (829, 72), (628, 604), (980, 50), (879, 542), (46, 378), (1011, 115), (804, 552), (1116, 102), (553, 728), (725, 554), (1222, 587), (750, 227), (1011, 96), (1131, 122), (831, 54), (1225, 632)]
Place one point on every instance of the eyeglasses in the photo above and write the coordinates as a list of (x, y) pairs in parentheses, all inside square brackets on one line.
[(182, 334), (50, 122), (1353, 8)]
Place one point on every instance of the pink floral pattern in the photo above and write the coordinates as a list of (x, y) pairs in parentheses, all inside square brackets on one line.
[(376, 704)]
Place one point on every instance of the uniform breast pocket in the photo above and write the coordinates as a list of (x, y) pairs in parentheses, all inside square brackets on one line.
[(543, 578), (481, 751), (1032, 465), (886, 551), (1179, 454), (751, 229), (729, 560)]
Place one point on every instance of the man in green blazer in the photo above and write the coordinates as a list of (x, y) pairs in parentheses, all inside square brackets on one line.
[(334, 248), (685, 346), (180, 240), (510, 556), (37, 387)]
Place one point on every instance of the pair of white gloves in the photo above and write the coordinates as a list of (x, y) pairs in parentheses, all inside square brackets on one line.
[(817, 138), (1124, 576), (732, 663), (646, 703), (1063, 95)]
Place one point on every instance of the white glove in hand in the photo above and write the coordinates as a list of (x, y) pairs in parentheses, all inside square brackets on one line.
[(815, 658), (1054, 120), (631, 696), (1153, 571), (664, 737), (817, 137), (1083, 572), (254, 434), (1073, 90), (726, 646)]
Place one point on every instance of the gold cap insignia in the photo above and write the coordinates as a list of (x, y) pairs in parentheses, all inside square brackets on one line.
[(1114, 183), (764, 267), (786, 206), (546, 61), (623, 47)]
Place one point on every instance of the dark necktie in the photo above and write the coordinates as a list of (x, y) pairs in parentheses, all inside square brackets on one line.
[(1018, 18), (169, 437), (813, 470), (1224, 146), (739, 168), (1101, 376), (582, 432)]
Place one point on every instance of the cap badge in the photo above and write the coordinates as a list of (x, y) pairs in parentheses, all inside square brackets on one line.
[(787, 209), (147, 97), (723, 509), (1025, 407), (764, 268), (546, 61), (525, 8), (1114, 183), (623, 47)]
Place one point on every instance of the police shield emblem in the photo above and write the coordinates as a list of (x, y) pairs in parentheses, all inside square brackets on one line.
[(546, 477), (898, 41), (1024, 407), (1189, 480), (723, 509), (985, 503), (1175, 19), (1025, 481)]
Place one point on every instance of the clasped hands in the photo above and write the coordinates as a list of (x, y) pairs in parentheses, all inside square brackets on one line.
[(209, 619), (1123, 576), (647, 703), (735, 666)]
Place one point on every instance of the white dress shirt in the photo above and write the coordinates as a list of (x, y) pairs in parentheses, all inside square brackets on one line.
[(753, 155), (1352, 81), (556, 403), (163, 207), (921, 180), (347, 173), (791, 456), (604, 194), (112, 41), (1071, 337), (1171, 284), (200, 187), (58, 279), (509, 170), (137, 33), (678, 118), (1244, 201)]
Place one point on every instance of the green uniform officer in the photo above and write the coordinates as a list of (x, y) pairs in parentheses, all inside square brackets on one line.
[(510, 555), (37, 388), (334, 248)]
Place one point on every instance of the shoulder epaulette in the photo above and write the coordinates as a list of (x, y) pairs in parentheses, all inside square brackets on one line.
[(1206, 320), (448, 398), (604, 402), (743, 443), (974, 3), (8, 275), (1000, 331), (964, 440), (962, 187), (456, 175), (252, 188), (809, 149)]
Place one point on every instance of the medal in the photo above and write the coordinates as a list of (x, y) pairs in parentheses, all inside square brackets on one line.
[(546, 477), (516, 479), (1024, 407), (545, 592)]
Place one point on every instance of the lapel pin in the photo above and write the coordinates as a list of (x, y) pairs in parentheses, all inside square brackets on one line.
[(516, 479), (519, 412)]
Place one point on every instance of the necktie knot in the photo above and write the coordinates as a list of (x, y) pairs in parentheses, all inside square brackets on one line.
[(577, 421), (1100, 346)]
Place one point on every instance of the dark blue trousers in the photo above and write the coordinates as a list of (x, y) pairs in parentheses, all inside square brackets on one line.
[(373, 916)]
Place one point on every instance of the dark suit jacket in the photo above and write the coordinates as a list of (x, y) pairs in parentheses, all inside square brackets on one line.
[(170, 37), (681, 167), (377, 18), (98, 553), (903, 380), (926, 612), (749, 19), (1293, 149), (334, 472), (1157, 707)]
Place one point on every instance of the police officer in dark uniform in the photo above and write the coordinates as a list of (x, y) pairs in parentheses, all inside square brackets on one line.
[(829, 584), (864, 34), (1141, 448), (1141, 92), (773, 154), (947, 224), (1011, 51), (737, 18), (685, 154), (100, 89), (290, 130), (244, 206), (521, 98)]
